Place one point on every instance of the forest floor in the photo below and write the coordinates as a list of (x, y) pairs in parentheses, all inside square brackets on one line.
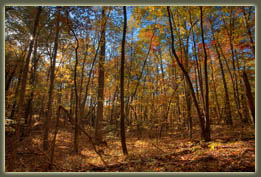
[(231, 150)]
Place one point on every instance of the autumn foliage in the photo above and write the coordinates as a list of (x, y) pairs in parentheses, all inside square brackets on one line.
[(136, 88)]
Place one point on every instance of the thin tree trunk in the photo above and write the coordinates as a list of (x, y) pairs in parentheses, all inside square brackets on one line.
[(251, 104), (227, 101), (76, 133), (52, 78), (123, 139), (89, 80), (81, 108), (113, 105), (99, 118), (204, 135), (232, 80), (76, 100), (16, 93), (139, 78), (22, 93), (33, 83), (215, 93), (233, 76), (54, 138), (207, 128), (198, 65)]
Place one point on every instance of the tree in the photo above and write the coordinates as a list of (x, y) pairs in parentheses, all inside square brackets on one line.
[(249, 96), (123, 140), (22, 90), (52, 79), (205, 130), (100, 98), (207, 123), (76, 120), (141, 72), (228, 117)]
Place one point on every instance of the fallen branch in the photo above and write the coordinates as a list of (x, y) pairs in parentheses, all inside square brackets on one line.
[(158, 148)]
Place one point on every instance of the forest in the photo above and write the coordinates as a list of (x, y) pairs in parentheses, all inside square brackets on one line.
[(129, 89)]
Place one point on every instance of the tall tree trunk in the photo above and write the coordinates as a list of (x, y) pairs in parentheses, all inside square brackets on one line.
[(187, 91), (204, 135), (215, 93), (22, 93), (198, 65), (230, 31), (71, 102), (123, 140), (228, 118), (232, 80), (99, 118), (33, 83), (207, 128), (251, 104), (82, 106), (52, 78), (20, 73), (139, 78), (77, 100), (113, 105)]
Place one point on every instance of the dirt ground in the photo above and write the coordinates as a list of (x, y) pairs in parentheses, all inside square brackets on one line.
[(231, 150)]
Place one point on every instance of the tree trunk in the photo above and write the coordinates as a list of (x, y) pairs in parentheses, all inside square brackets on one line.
[(76, 133), (228, 118), (234, 75), (22, 93), (33, 83), (54, 138), (207, 128), (123, 140), (215, 94), (198, 65), (99, 118), (52, 78), (204, 135), (250, 99), (82, 106), (76, 100)]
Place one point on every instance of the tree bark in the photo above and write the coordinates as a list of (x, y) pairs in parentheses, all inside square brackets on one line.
[(204, 135), (250, 99), (76, 132), (22, 92), (123, 139), (99, 118), (33, 83), (227, 102), (52, 78), (198, 65), (234, 75), (207, 128)]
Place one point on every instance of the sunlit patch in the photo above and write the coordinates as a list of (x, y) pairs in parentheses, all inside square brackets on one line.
[(141, 143), (36, 141)]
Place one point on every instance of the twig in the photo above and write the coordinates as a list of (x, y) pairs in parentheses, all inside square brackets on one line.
[(158, 148)]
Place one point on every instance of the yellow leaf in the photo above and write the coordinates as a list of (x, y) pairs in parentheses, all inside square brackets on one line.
[(212, 146)]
